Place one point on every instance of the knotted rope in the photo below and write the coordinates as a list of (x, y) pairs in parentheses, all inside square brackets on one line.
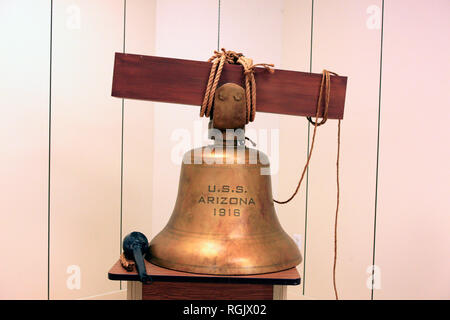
[(218, 60)]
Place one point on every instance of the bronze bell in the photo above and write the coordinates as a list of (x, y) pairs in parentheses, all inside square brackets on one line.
[(224, 220)]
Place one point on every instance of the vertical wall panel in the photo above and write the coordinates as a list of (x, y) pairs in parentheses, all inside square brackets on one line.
[(138, 126), (244, 28), (86, 146), (346, 40), (296, 44), (285, 42), (413, 221), (24, 105), (188, 30)]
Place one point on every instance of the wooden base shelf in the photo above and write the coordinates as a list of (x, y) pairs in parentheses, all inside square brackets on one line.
[(175, 285)]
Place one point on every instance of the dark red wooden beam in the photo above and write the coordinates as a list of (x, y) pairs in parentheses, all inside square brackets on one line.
[(184, 81)]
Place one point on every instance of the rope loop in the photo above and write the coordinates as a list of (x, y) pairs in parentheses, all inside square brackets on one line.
[(218, 59), (324, 83)]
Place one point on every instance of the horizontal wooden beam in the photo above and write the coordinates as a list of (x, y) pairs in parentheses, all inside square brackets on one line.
[(184, 81)]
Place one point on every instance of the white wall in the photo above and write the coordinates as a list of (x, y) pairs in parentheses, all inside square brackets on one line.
[(111, 171)]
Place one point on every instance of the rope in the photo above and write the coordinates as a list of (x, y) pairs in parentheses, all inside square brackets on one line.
[(126, 264), (325, 84), (218, 60), (337, 209)]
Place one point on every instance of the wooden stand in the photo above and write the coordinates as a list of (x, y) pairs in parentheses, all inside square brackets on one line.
[(174, 285)]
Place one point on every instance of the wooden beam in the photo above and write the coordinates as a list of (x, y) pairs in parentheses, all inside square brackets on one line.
[(184, 81)]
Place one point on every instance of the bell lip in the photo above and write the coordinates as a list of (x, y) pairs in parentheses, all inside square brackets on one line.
[(161, 258), (210, 270)]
